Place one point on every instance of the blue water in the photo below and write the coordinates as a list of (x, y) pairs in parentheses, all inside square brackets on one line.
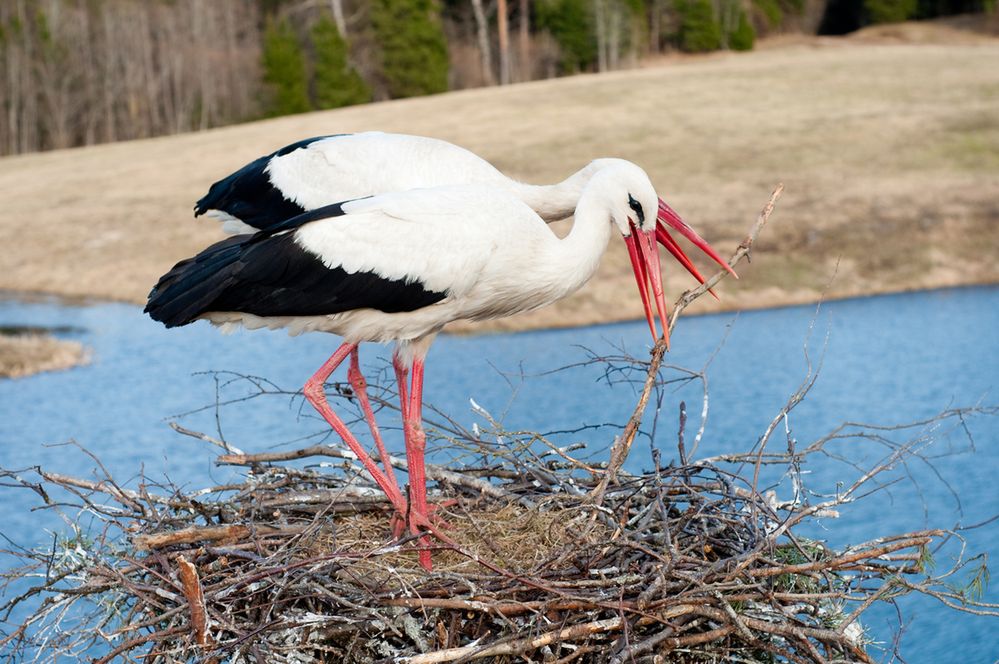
[(885, 360)]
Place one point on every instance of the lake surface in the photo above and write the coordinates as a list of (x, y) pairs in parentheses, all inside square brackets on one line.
[(887, 360)]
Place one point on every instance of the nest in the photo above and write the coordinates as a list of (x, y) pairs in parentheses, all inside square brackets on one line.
[(540, 560)]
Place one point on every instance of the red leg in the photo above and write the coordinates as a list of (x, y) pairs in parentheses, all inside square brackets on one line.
[(415, 448), (402, 380), (316, 395), (360, 386)]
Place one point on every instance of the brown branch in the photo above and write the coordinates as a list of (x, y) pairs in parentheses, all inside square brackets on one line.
[(786, 630), (191, 583), (434, 472), (205, 534), (505, 608), (622, 445), (841, 561), (124, 495), (675, 642), (128, 497), (517, 646), (231, 449), (743, 250), (140, 640)]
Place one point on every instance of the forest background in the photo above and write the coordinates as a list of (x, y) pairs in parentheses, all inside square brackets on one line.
[(80, 72)]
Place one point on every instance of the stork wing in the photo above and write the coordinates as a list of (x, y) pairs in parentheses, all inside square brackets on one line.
[(324, 170), (396, 252), (249, 196)]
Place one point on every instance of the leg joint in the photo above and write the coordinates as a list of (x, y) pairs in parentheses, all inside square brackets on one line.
[(356, 378), (314, 390)]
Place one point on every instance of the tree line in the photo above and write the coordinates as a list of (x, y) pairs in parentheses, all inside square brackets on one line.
[(77, 72)]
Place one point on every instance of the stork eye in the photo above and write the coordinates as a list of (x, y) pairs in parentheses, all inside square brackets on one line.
[(637, 207)]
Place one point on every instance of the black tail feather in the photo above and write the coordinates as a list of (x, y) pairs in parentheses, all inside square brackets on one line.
[(190, 288)]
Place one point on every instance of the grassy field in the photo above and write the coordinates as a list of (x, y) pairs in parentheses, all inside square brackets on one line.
[(889, 151)]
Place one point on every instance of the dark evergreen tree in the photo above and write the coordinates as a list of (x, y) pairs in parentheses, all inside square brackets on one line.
[(284, 70), (771, 9), (335, 82), (889, 11), (744, 36), (571, 25), (699, 30), (414, 57)]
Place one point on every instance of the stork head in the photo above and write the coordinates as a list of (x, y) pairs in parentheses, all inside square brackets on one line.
[(634, 207), (629, 196), (643, 218)]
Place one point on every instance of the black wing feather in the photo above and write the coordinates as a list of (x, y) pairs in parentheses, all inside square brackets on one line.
[(272, 275), (249, 195)]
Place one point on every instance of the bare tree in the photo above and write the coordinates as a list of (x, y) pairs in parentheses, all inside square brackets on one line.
[(482, 33), (502, 25), (614, 11), (336, 6), (525, 40), (75, 73), (655, 25), (600, 21)]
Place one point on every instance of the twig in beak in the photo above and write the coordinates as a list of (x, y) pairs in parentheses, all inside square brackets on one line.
[(665, 239)]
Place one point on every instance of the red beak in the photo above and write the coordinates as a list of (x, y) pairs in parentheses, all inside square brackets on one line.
[(668, 216), (648, 274)]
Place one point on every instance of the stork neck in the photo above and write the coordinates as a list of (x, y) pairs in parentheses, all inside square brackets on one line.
[(557, 201), (578, 254)]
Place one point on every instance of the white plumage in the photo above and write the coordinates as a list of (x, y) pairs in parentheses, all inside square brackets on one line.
[(491, 254)]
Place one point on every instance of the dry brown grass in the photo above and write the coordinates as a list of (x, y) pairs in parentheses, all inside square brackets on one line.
[(26, 354), (887, 148), (514, 537)]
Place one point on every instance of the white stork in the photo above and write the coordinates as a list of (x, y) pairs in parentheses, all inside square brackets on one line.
[(400, 266), (323, 170)]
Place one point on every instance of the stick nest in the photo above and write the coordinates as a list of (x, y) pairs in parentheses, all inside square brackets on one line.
[(296, 565)]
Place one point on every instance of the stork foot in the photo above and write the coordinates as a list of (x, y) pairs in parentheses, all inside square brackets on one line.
[(400, 522)]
